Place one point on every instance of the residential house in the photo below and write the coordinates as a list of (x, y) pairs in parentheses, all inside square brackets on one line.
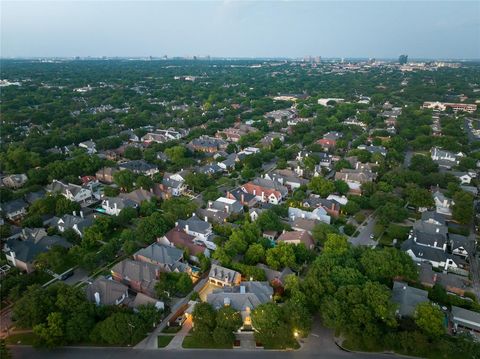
[(452, 283), (223, 277), (138, 196), (15, 181), (442, 203), (72, 221), (178, 238), (374, 149), (266, 190), (162, 136), (297, 237), (465, 320), (104, 291), (275, 278), (105, 174), (355, 178), (445, 158), (130, 134), (210, 169), (267, 140), (407, 298), (254, 213), (243, 298), (89, 146), (220, 209), (282, 115), (22, 251), (287, 178), (329, 140), (31, 197), (138, 276), (173, 185), (15, 209), (143, 299), (463, 177), (331, 206), (245, 198), (304, 224), (319, 214), (234, 133), (73, 192), (201, 230), (114, 205), (168, 258), (207, 144), (139, 167)]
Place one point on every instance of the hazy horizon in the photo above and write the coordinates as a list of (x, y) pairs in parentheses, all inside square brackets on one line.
[(241, 29)]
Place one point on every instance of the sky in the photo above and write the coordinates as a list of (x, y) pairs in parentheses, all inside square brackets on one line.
[(373, 29)]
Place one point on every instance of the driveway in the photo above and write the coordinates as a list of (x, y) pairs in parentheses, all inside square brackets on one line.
[(177, 341), (207, 289), (150, 342)]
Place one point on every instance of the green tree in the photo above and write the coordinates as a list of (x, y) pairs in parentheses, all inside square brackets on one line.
[(321, 186), (255, 254), (430, 319), (341, 187), (462, 210), (281, 256), (124, 179), (51, 334), (335, 244), (133, 153)]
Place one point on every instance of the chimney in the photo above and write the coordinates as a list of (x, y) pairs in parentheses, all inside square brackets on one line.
[(81, 214), (226, 209), (226, 301), (75, 213), (206, 219), (242, 198), (437, 230), (242, 289), (193, 214), (97, 298), (186, 228)]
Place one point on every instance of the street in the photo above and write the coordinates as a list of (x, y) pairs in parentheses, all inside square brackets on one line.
[(365, 230), (319, 344)]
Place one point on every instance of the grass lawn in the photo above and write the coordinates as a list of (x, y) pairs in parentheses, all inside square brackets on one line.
[(191, 342), (164, 340), (171, 330), (21, 338)]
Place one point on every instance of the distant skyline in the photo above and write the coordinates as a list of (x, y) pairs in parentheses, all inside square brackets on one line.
[(268, 29)]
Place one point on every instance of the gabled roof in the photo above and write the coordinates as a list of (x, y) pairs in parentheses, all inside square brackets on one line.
[(161, 254), (407, 298), (224, 274), (195, 225), (13, 206), (136, 271), (138, 196), (109, 290), (246, 295), (180, 239)]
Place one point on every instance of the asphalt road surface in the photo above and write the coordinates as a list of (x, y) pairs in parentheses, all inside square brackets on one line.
[(318, 345), (127, 353)]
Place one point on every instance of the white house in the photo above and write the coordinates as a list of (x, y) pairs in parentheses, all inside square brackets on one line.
[(319, 214)]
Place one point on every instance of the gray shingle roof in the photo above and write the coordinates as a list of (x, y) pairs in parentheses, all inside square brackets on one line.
[(223, 274), (407, 298), (109, 290)]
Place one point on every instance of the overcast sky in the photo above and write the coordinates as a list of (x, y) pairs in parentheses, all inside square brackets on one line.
[(377, 29)]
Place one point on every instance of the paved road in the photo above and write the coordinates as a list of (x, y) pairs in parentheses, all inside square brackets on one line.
[(363, 238), (128, 353), (318, 345)]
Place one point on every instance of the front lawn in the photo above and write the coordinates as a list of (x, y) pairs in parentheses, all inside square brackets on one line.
[(190, 342), (164, 340), (171, 329), (21, 338), (279, 346)]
